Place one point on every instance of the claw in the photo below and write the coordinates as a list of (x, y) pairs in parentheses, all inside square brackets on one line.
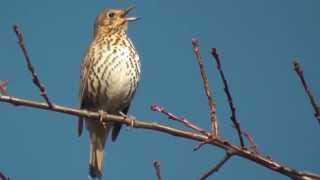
[(123, 114), (101, 112), (127, 117)]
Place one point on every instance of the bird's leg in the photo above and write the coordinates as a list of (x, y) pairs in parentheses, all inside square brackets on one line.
[(127, 117), (101, 112)]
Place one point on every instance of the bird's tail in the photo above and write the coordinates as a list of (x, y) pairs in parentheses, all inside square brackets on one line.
[(98, 136)]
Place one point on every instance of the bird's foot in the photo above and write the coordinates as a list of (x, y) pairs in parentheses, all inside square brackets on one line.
[(127, 117), (101, 113)]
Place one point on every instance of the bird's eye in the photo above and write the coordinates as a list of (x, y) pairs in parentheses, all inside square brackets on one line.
[(111, 15)]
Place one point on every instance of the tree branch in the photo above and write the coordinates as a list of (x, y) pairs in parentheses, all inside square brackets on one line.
[(216, 168), (183, 120), (3, 87), (31, 68), (144, 124), (211, 103), (312, 99), (200, 135), (3, 177), (253, 146), (233, 117), (156, 165)]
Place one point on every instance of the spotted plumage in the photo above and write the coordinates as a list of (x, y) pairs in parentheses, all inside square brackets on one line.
[(110, 74)]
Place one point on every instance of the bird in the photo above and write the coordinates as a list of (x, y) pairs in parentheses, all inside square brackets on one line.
[(109, 76)]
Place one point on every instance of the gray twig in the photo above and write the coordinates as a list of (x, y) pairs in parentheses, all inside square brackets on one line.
[(312, 99)]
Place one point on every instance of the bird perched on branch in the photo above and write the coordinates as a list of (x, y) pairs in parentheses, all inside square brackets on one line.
[(110, 74)]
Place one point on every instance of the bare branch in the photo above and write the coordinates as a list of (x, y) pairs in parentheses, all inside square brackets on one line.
[(253, 146), (216, 168), (185, 121), (156, 165), (31, 68), (312, 99), (200, 135), (3, 177), (3, 87), (212, 105), (144, 124), (200, 144), (233, 117)]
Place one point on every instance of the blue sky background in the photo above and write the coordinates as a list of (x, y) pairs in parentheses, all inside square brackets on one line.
[(257, 41)]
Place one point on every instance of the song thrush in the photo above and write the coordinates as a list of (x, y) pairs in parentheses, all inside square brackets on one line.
[(110, 74)]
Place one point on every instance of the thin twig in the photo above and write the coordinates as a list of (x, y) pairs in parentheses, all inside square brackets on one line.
[(147, 124), (156, 165), (312, 99), (212, 105), (233, 117), (216, 168), (31, 68), (253, 146), (199, 145), (3, 87), (3, 177), (185, 121)]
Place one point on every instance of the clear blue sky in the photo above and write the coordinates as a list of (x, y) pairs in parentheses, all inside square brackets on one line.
[(257, 41)]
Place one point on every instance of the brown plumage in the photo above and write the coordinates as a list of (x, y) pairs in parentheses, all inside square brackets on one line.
[(110, 73)]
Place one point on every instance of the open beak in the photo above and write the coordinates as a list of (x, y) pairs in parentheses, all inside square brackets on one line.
[(129, 19)]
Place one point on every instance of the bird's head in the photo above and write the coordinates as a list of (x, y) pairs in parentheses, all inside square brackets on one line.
[(113, 20)]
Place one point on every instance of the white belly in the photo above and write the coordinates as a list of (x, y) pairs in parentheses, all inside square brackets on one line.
[(118, 90), (119, 83)]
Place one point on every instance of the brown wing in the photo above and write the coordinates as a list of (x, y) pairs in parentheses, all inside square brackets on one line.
[(85, 101)]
